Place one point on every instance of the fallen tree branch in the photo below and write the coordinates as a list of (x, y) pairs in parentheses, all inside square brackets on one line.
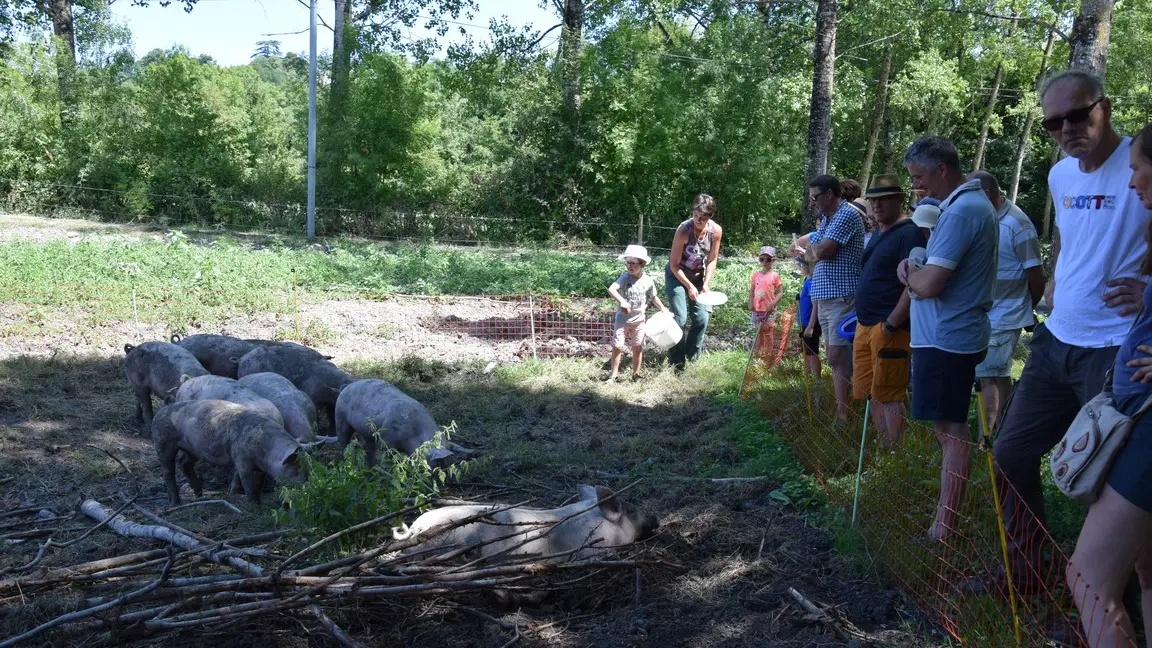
[(162, 522), (80, 614), (127, 528)]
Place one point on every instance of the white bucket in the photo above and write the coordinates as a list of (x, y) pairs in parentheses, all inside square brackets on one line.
[(661, 328)]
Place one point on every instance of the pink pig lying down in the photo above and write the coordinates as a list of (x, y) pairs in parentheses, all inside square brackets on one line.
[(597, 523)]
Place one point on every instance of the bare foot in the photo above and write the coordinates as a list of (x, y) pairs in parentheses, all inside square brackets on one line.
[(940, 530)]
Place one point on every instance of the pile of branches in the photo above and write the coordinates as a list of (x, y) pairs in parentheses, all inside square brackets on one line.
[(139, 595)]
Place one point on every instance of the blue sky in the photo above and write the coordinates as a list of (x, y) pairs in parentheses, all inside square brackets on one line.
[(228, 30)]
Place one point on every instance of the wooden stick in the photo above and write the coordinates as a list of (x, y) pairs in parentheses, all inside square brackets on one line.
[(221, 502), (337, 633), (110, 455), (29, 565), (807, 605), (80, 614), (21, 511)]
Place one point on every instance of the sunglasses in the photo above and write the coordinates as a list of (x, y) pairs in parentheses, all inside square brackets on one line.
[(1053, 124), (765, 259), (633, 263)]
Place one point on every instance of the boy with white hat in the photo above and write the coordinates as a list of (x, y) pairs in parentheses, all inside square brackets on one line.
[(633, 291)]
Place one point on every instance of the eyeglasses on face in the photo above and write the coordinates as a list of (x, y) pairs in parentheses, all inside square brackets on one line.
[(632, 262), (816, 195), (1053, 124)]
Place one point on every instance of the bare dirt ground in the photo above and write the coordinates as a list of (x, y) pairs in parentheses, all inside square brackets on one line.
[(67, 433)]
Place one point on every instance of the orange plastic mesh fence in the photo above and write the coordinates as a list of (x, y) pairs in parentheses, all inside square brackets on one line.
[(515, 325), (958, 580)]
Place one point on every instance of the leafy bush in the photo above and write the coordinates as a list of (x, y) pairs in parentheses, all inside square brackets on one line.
[(348, 492)]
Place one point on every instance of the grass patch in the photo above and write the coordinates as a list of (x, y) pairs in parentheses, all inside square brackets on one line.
[(187, 282)]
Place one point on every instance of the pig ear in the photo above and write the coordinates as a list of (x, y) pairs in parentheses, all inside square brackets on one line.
[(439, 453), (184, 378), (609, 505), (587, 493)]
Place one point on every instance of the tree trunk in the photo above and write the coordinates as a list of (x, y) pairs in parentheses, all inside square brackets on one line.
[(877, 118), (1029, 119), (982, 143), (891, 155), (1047, 234), (573, 45), (335, 143), (1091, 32), (823, 72), (62, 28)]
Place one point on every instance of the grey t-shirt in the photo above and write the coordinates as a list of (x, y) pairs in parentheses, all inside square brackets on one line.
[(638, 293), (964, 241)]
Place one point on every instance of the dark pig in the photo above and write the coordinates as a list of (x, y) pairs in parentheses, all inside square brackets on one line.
[(321, 380), (227, 389), (297, 409), (157, 368), (224, 434), (368, 406), (291, 345), (574, 532), (218, 353)]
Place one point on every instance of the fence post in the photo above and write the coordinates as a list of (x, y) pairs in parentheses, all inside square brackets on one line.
[(808, 393), (295, 305), (751, 355), (860, 463), (135, 312), (987, 442), (640, 229), (532, 323)]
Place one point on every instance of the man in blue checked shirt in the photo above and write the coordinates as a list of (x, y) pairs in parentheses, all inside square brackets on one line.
[(836, 248)]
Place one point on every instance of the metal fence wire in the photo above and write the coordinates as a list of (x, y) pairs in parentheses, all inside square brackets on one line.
[(969, 583)]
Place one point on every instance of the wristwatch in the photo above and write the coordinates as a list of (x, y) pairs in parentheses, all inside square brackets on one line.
[(889, 328)]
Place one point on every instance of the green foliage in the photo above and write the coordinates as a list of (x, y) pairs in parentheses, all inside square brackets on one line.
[(675, 100), (348, 491)]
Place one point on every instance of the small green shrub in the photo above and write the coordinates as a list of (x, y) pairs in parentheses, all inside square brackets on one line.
[(349, 491)]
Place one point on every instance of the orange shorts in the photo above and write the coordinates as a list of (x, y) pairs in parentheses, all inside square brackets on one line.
[(880, 363)]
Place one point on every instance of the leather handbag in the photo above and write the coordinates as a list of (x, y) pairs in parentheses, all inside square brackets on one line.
[(1080, 463)]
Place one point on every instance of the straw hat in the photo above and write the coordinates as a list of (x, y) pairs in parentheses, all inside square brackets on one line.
[(884, 185), (636, 252)]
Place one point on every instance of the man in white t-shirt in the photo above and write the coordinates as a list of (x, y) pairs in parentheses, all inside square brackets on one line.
[(1095, 293), (1019, 286)]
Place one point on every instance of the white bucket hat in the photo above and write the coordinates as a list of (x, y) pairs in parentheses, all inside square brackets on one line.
[(636, 252), (926, 216)]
